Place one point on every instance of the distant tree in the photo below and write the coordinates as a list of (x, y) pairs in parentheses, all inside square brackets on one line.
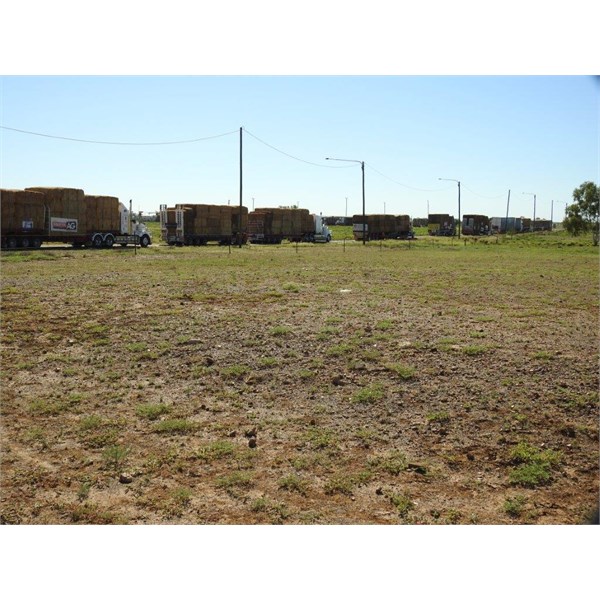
[(583, 215)]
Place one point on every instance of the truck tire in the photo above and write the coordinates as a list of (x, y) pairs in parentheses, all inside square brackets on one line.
[(36, 243), (109, 240), (144, 241), (11, 243), (97, 241), (25, 243)]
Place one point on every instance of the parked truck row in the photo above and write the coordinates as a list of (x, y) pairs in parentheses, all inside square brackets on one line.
[(198, 224), (37, 215)]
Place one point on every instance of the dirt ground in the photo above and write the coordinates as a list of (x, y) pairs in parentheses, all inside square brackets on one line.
[(310, 385)]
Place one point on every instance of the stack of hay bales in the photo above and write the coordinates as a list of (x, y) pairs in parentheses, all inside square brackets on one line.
[(102, 214), (65, 204), (402, 224), (22, 211), (235, 219)]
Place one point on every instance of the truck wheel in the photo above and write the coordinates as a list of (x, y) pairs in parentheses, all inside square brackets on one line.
[(12, 242), (109, 240), (25, 243), (36, 243), (97, 241), (144, 241)]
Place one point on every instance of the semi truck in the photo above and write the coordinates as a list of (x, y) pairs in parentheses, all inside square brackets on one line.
[(273, 225), (441, 224), (382, 227), (37, 215), (198, 224)]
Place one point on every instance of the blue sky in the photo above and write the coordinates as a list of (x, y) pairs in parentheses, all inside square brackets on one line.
[(531, 134)]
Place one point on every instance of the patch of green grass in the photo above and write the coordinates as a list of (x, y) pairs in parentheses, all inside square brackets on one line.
[(543, 355), (291, 287), (339, 349), (152, 411), (368, 395), (384, 325), (235, 371), (534, 466), (320, 438), (344, 483), (306, 374), (393, 463), (268, 361), (293, 483), (237, 479), (438, 417), (280, 331), (474, 350), (137, 347), (403, 371), (174, 426), (215, 450)]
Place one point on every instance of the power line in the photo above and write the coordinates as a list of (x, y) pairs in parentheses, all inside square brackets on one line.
[(59, 137), (404, 185), (481, 195), (295, 157)]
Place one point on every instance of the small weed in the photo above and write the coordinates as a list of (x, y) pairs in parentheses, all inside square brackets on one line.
[(339, 349), (402, 503), (394, 463), (91, 422), (293, 483), (115, 456), (235, 371), (237, 479), (383, 325), (268, 361), (514, 506), (320, 438), (84, 491), (306, 374), (474, 350), (215, 450), (368, 395), (280, 331), (543, 355), (438, 417), (152, 411), (403, 371), (291, 287), (343, 483), (137, 347)]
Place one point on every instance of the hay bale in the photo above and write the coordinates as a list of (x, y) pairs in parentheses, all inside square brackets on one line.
[(65, 205)]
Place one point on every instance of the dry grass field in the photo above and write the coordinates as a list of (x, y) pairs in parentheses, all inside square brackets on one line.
[(436, 382)]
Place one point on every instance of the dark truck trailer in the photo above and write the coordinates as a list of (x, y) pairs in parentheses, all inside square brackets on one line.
[(198, 224), (476, 225), (381, 227), (33, 216)]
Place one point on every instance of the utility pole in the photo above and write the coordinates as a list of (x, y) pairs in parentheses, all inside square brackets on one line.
[(507, 205), (346, 212), (240, 214)]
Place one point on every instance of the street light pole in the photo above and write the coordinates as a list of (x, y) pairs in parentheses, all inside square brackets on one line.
[(534, 199), (457, 181), (362, 166)]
